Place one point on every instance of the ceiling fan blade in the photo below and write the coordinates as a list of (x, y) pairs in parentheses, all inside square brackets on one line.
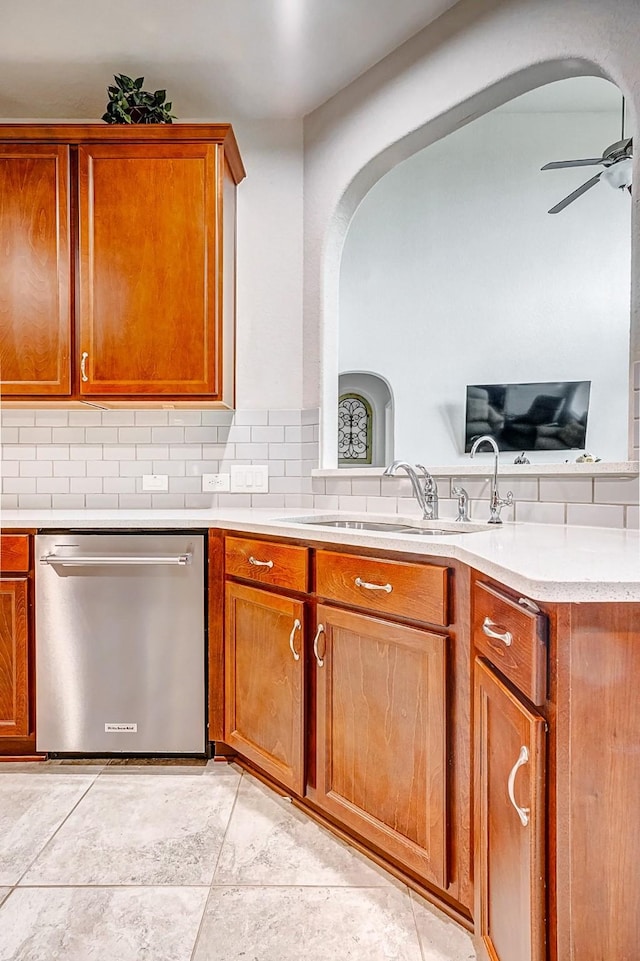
[(559, 164), (576, 193)]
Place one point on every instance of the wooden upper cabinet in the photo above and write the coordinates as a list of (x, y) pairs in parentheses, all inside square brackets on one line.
[(35, 269), (152, 287), (148, 291)]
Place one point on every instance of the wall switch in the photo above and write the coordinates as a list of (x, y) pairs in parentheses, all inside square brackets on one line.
[(250, 478), (155, 482), (215, 482)]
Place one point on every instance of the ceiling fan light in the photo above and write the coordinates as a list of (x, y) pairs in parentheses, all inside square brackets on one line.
[(620, 174)]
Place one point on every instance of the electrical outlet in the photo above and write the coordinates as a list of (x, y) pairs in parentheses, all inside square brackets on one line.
[(155, 482), (250, 478), (215, 482)]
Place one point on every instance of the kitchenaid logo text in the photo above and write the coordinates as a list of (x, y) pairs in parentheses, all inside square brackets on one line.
[(120, 728)]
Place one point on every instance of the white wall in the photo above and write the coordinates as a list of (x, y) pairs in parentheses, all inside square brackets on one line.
[(474, 58), (453, 273), (270, 256)]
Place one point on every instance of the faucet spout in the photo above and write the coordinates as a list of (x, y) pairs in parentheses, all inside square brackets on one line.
[(420, 494), (496, 502)]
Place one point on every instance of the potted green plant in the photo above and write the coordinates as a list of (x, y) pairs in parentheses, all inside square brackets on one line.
[(129, 103)]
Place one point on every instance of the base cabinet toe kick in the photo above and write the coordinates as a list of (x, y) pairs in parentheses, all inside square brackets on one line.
[(481, 745)]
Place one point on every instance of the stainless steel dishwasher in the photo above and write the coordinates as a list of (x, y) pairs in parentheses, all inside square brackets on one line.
[(120, 643)]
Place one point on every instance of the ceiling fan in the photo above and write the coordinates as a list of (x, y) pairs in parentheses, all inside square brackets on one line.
[(617, 163)]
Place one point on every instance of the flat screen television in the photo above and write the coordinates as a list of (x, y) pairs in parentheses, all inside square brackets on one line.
[(528, 417)]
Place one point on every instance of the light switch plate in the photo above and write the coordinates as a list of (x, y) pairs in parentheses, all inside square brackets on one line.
[(215, 482), (250, 478), (155, 482)]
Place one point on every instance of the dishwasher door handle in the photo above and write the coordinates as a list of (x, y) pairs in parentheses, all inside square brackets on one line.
[(113, 560)]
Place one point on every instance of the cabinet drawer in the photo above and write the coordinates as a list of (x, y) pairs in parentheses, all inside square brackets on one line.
[(14, 553), (283, 565), (414, 591), (520, 649)]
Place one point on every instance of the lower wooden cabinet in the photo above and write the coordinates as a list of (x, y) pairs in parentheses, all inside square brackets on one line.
[(509, 822), (14, 658), (265, 681), (381, 735)]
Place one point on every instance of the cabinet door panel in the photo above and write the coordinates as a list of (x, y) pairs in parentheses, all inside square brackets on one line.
[(148, 305), (35, 270), (381, 722), (14, 682), (510, 868), (264, 681)]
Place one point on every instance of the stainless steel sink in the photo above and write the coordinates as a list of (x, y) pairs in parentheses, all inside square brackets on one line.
[(389, 527)]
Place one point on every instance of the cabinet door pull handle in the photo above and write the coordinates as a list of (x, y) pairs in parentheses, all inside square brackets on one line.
[(315, 644), (505, 636), (531, 605), (373, 587), (256, 563), (83, 365), (296, 627), (523, 813)]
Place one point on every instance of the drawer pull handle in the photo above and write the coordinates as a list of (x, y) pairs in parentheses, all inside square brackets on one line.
[(296, 627), (83, 365), (257, 563), (531, 605), (523, 813), (505, 636), (315, 644), (373, 587)]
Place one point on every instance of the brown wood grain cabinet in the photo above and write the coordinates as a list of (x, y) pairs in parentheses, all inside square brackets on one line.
[(16, 646), (147, 309), (489, 754), (381, 735), (509, 822)]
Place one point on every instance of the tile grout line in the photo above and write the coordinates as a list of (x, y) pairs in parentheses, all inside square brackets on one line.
[(415, 922), (196, 942), (64, 821)]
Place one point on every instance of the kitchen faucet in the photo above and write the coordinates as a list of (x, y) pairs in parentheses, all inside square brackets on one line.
[(496, 503), (426, 497)]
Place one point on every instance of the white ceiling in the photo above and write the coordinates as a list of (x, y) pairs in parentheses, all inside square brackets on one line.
[(218, 59)]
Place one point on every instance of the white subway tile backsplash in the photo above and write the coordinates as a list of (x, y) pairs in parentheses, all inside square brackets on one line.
[(85, 485), (531, 513), (101, 502), (134, 502), (67, 502), (8, 502), (382, 505), (36, 468), (118, 418), (51, 418), (200, 435), (198, 501), (173, 468), (53, 485), (237, 435), (19, 485), (190, 418), (326, 502), (185, 485), (134, 435), (85, 452), (53, 452), (167, 435), (267, 500), (633, 518), (284, 418), (336, 485), (10, 468), (292, 468), (186, 452), (255, 451), (70, 468), (369, 486), (18, 452), (35, 502), (151, 418), (135, 468), (270, 435), (119, 485), (616, 490), (9, 435), (34, 435), (119, 452), (303, 501), (292, 435), (104, 435), (579, 489), (350, 503), (152, 451), (84, 418), (234, 500), (284, 485), (68, 435), (104, 468), (224, 418), (167, 502), (595, 515), (18, 418)]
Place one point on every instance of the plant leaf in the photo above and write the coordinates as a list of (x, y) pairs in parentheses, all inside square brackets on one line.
[(160, 96), (138, 83)]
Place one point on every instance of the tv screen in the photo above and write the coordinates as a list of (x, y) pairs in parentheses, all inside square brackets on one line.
[(529, 417)]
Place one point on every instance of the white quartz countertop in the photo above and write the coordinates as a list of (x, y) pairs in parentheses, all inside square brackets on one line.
[(546, 562)]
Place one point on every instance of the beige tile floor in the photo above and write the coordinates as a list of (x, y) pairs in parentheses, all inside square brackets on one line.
[(113, 862)]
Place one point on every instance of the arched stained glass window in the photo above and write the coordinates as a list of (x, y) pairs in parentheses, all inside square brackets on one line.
[(354, 430)]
